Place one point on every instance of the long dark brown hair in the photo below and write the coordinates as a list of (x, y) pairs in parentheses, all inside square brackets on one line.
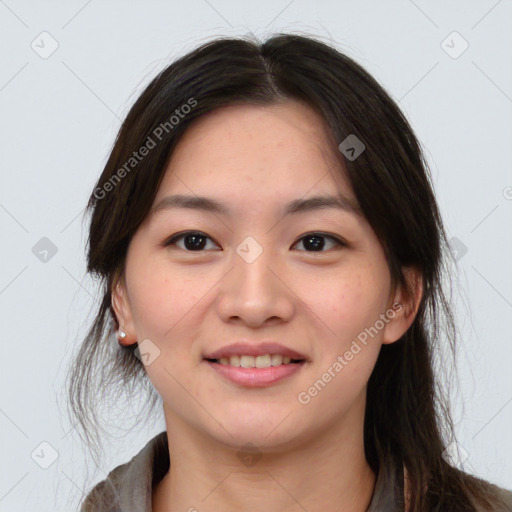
[(408, 422)]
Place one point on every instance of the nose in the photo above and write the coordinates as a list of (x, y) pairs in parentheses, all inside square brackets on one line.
[(255, 292)]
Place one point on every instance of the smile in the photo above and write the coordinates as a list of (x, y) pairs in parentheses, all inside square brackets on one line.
[(253, 376), (263, 361)]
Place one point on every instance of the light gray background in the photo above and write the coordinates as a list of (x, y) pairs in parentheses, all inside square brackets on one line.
[(59, 117)]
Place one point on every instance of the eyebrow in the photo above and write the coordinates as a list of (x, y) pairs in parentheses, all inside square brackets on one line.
[(206, 204)]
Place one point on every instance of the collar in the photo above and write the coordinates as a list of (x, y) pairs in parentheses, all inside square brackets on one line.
[(129, 487)]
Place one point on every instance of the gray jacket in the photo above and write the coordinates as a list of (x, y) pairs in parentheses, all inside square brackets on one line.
[(128, 487)]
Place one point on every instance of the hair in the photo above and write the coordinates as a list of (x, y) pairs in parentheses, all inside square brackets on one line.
[(407, 424)]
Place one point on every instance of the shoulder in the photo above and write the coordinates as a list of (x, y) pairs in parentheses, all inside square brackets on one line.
[(483, 495), (494, 499), (105, 495), (130, 483), (486, 496)]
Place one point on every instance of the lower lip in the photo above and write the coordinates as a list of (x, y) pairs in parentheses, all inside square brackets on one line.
[(256, 377)]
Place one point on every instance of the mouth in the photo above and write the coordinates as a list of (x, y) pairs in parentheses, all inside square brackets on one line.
[(255, 365), (262, 361), (250, 376)]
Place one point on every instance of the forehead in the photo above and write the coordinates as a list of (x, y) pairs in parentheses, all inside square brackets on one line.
[(253, 151)]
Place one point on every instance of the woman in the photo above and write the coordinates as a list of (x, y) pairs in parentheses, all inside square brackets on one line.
[(271, 253)]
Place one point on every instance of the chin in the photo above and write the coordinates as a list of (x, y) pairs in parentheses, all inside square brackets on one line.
[(270, 432)]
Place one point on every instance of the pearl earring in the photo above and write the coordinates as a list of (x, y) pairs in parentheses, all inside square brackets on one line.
[(122, 334)]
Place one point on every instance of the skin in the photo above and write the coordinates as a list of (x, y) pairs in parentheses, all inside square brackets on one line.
[(254, 160)]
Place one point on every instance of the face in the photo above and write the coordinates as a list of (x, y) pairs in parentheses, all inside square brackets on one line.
[(314, 280)]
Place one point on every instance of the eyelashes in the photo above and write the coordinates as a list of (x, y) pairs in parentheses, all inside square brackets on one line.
[(179, 236), (198, 238)]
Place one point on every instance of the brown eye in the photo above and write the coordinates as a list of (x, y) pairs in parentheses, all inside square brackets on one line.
[(193, 241), (315, 242)]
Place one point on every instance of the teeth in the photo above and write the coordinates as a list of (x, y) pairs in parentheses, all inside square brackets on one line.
[(276, 360), (264, 361), (247, 361)]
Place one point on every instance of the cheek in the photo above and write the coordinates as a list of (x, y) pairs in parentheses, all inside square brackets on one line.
[(158, 300), (349, 305), (349, 301)]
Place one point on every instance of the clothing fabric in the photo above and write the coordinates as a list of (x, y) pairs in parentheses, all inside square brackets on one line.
[(129, 487)]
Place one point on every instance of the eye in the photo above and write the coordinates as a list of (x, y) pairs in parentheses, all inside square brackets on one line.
[(315, 241), (193, 240), (196, 241)]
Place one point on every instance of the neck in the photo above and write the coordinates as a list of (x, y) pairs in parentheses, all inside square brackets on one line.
[(328, 473)]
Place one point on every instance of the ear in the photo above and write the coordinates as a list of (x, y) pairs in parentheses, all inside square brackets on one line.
[(404, 306), (122, 310)]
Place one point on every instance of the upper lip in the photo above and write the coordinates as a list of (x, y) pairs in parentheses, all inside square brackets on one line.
[(254, 349)]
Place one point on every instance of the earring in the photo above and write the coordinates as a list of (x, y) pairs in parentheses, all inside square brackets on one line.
[(121, 335)]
